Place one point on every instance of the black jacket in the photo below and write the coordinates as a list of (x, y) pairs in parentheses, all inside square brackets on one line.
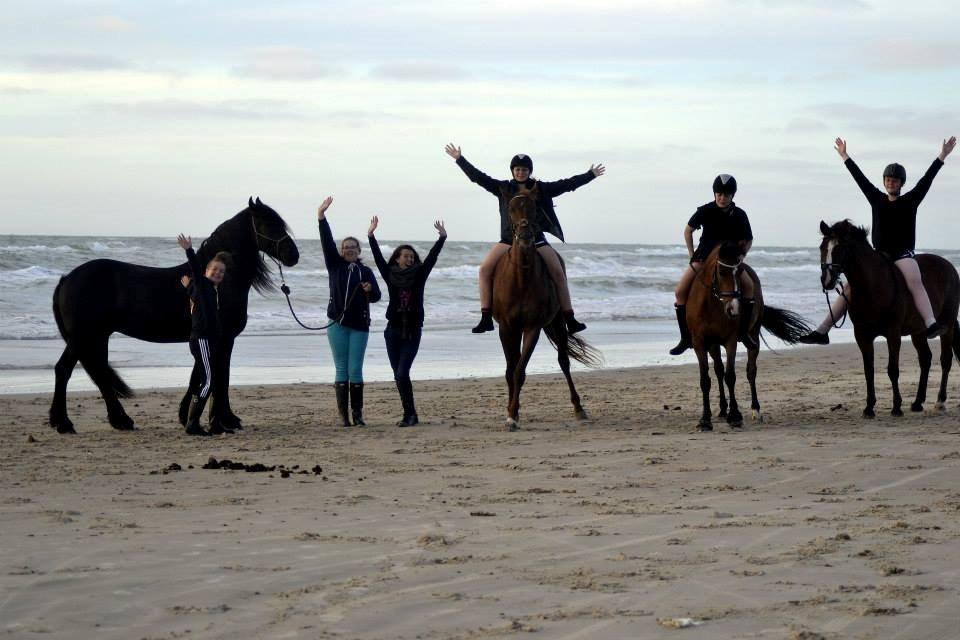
[(894, 228), (348, 304), (405, 310), (546, 216), (719, 226), (205, 317)]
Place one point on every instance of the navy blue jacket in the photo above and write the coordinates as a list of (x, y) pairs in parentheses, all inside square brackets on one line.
[(546, 216), (348, 304)]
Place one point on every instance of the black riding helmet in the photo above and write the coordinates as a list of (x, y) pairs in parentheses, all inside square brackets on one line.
[(895, 170), (521, 160), (725, 183)]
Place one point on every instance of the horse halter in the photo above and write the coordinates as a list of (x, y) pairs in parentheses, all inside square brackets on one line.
[(276, 243), (525, 229), (715, 284)]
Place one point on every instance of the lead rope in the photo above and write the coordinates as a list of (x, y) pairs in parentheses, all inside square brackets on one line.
[(286, 292)]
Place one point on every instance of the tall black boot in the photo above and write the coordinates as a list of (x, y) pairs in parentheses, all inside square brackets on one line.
[(684, 343), (486, 322), (341, 389), (356, 403), (405, 387), (746, 318), (193, 416)]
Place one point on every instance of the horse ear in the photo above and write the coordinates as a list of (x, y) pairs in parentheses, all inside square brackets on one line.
[(258, 200), (250, 201), (824, 229)]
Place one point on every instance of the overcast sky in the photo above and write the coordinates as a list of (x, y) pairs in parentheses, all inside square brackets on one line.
[(151, 118)]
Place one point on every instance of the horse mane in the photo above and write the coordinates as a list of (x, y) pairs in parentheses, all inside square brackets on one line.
[(237, 237), (846, 230)]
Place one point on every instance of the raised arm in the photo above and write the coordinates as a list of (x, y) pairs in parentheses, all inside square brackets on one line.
[(475, 175), (431, 259), (330, 253), (375, 250), (195, 267), (868, 188), (923, 184)]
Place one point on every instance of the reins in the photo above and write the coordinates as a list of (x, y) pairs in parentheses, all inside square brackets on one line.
[(833, 267)]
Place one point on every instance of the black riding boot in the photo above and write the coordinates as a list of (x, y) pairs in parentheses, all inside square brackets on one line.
[(405, 387), (486, 322), (746, 316), (193, 416), (356, 403), (573, 325), (684, 343), (342, 391)]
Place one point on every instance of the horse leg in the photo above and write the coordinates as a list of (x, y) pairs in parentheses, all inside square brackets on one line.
[(510, 343), (947, 347), (706, 423), (563, 357), (94, 361), (734, 418), (58, 408), (531, 335), (866, 352), (752, 355), (893, 372), (924, 357), (718, 371)]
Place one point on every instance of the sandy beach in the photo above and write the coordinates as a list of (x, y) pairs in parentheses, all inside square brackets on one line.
[(815, 524)]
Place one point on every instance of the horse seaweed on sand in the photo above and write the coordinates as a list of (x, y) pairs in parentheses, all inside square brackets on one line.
[(880, 305), (524, 303), (713, 315), (101, 297)]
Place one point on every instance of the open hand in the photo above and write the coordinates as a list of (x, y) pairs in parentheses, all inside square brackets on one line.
[(452, 151), (947, 147), (322, 209), (598, 170), (374, 221), (184, 242), (438, 225), (841, 146)]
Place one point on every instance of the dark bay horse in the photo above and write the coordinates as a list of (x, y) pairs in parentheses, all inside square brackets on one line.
[(713, 316), (880, 305), (149, 303), (524, 302)]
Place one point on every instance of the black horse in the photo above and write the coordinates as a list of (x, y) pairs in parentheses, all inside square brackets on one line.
[(149, 303)]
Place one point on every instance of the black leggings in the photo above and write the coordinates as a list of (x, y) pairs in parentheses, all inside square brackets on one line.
[(202, 350)]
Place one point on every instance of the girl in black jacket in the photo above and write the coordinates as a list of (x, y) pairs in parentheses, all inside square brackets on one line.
[(204, 329), (406, 278), (352, 289)]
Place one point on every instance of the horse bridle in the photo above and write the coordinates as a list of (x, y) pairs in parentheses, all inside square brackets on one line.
[(276, 243), (525, 229), (715, 284), (835, 269)]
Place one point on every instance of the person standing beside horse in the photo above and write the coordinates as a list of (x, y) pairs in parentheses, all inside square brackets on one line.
[(205, 329), (894, 232), (521, 166), (352, 288), (722, 221), (405, 277)]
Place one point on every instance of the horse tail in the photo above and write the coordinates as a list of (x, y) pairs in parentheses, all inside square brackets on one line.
[(577, 347), (57, 315), (103, 375), (786, 325), (956, 339)]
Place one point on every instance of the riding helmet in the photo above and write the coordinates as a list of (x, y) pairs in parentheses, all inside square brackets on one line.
[(521, 160), (725, 183), (895, 170)]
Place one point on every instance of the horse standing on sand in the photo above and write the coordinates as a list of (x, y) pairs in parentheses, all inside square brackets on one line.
[(149, 303), (524, 303), (880, 305), (713, 316)]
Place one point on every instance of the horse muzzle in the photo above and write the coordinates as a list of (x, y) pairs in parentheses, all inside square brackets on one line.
[(289, 255), (829, 274)]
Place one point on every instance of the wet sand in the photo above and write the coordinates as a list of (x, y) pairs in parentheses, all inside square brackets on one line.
[(814, 524)]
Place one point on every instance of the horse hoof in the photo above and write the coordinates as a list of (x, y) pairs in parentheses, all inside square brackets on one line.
[(231, 421), (896, 412), (868, 413), (65, 428), (916, 407), (581, 414), (940, 406), (756, 416), (122, 423), (704, 425), (512, 425)]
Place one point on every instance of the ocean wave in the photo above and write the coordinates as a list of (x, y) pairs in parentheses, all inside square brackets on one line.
[(32, 273)]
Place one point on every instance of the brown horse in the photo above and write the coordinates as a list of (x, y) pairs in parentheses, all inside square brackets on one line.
[(524, 302), (713, 315), (880, 305)]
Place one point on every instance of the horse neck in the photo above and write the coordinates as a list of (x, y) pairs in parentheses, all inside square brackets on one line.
[(870, 272), (234, 236)]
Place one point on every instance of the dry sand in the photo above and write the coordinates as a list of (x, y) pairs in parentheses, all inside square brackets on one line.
[(815, 524)]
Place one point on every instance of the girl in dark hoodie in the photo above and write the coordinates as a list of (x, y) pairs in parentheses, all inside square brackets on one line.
[(352, 288), (406, 278)]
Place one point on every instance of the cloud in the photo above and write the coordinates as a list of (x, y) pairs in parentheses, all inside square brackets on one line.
[(285, 63), (109, 24), (886, 122), (418, 72), (908, 54), (178, 109), (67, 62)]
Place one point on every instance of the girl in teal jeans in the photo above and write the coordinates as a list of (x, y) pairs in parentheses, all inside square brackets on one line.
[(352, 288)]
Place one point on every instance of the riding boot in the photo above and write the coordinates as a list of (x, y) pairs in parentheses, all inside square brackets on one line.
[(573, 325), (814, 337), (746, 319), (341, 389), (486, 322), (356, 403), (936, 330), (684, 343), (405, 387), (193, 416)]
